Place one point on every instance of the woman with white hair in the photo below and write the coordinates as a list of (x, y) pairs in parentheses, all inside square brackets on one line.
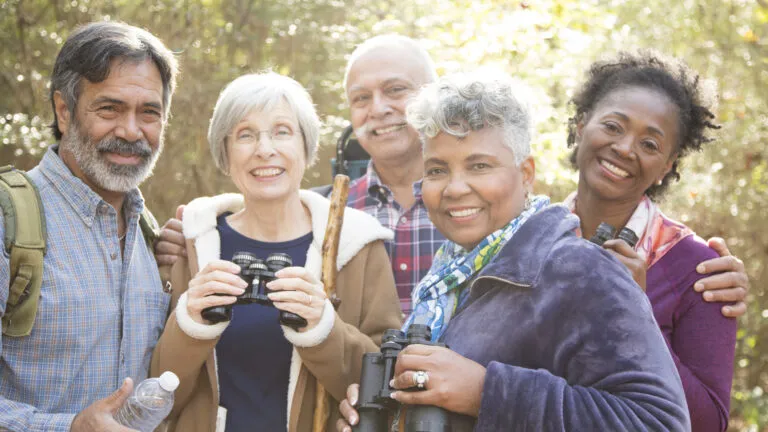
[(248, 372), (546, 330)]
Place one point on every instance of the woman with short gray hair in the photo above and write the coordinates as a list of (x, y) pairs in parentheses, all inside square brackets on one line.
[(546, 331), (262, 92), (241, 360)]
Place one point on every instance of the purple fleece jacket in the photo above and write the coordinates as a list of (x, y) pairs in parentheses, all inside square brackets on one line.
[(701, 339), (568, 339)]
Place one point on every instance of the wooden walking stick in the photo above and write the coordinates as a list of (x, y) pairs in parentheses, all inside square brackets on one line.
[(329, 253)]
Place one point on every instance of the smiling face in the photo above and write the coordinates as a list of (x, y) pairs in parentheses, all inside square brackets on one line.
[(472, 186), (627, 144), (266, 154), (379, 86), (115, 138)]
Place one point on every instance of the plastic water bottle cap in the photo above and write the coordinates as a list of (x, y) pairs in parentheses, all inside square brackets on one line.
[(169, 381)]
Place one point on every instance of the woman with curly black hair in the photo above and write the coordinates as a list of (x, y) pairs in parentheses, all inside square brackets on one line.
[(636, 117)]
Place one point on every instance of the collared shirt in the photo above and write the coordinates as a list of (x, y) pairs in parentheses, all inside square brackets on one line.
[(416, 239), (100, 313)]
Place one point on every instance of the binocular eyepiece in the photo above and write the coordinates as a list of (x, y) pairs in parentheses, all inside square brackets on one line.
[(606, 232), (257, 273), (378, 370)]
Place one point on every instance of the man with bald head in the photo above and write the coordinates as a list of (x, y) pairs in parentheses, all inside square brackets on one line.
[(382, 75)]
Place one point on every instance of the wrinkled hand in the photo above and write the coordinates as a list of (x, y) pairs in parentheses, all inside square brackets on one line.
[(732, 285), (215, 285), (297, 291), (99, 416), (455, 382), (349, 414), (636, 264), (171, 244)]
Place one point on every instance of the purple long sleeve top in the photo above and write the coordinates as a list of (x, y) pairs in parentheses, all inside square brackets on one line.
[(702, 341), (567, 338)]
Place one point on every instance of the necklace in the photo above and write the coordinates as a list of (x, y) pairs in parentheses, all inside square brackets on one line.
[(122, 237)]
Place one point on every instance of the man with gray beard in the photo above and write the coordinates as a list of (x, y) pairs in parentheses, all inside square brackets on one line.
[(102, 306)]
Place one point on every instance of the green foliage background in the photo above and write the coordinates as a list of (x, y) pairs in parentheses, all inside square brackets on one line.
[(547, 43)]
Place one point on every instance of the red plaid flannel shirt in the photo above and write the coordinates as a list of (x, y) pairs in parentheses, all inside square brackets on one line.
[(416, 239)]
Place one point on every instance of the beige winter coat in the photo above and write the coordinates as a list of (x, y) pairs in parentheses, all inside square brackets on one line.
[(331, 351)]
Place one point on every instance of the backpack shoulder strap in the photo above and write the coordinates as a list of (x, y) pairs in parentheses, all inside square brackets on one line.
[(149, 228), (151, 232), (25, 241)]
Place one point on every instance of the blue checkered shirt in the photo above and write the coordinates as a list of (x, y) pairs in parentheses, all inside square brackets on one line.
[(416, 239), (100, 313)]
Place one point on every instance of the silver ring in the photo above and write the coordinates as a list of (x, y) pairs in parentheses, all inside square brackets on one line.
[(420, 379)]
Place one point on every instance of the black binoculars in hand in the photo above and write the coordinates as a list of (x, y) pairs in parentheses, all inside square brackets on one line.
[(606, 232), (257, 273), (375, 405)]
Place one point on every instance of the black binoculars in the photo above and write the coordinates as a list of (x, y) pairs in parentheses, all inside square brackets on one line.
[(375, 405), (606, 232), (257, 273)]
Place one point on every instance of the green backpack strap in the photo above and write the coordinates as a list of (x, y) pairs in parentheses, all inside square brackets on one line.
[(25, 238), (151, 232), (149, 228)]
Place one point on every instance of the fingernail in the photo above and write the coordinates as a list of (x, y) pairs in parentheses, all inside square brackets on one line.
[(707, 295), (701, 268), (393, 395), (726, 309), (353, 420), (391, 383), (698, 286), (353, 400), (278, 273), (240, 291)]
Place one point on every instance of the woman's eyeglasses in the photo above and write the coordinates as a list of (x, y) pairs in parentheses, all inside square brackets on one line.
[(249, 137)]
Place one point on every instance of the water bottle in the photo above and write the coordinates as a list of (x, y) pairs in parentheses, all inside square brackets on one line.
[(150, 403)]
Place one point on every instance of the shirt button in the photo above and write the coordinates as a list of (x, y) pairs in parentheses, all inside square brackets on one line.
[(403, 266), (403, 219), (113, 256)]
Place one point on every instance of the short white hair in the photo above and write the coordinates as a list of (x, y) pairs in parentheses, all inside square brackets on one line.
[(392, 40), (261, 92), (461, 103)]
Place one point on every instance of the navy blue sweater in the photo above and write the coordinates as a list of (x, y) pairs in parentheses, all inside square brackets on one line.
[(253, 356)]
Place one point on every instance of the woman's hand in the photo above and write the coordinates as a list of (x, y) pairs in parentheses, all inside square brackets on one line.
[(298, 292), (732, 285), (636, 264), (349, 414), (215, 285), (455, 383)]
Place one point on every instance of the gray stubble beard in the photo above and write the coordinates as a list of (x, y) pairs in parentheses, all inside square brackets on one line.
[(106, 175)]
